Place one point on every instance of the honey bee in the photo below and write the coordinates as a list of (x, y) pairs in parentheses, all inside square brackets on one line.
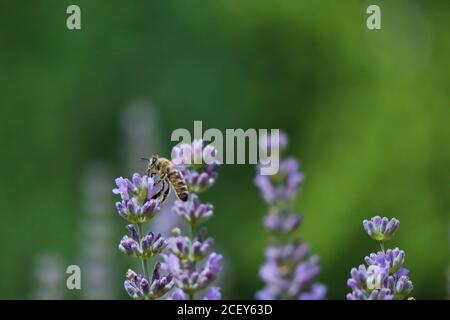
[(168, 175)]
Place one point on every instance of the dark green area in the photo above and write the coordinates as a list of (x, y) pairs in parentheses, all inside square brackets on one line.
[(367, 113)]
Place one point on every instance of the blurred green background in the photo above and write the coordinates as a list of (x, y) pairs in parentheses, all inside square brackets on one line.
[(367, 113)]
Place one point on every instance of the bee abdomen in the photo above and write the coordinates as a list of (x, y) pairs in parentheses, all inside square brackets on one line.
[(178, 184)]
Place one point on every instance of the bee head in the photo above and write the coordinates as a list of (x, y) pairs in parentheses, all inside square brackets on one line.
[(151, 163), (152, 160)]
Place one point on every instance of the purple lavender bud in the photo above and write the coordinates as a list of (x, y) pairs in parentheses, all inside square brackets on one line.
[(214, 262), (133, 231), (212, 293), (267, 145), (381, 229), (282, 186), (149, 209), (121, 209), (180, 246), (171, 264), (193, 211), (403, 287), (159, 244), (132, 291), (380, 294), (290, 253), (265, 294), (280, 223), (147, 241), (184, 280), (160, 285), (317, 292), (212, 268), (358, 278), (275, 276), (123, 188), (194, 279), (356, 295), (156, 275), (393, 259), (129, 246), (304, 274), (149, 244), (200, 248), (397, 259), (290, 279), (145, 286), (132, 285), (178, 294), (153, 245)]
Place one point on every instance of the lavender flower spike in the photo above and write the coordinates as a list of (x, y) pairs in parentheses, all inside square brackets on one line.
[(381, 229), (384, 276), (191, 261), (289, 269), (139, 203)]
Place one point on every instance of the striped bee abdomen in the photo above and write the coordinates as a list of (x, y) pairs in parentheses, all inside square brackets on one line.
[(179, 185)]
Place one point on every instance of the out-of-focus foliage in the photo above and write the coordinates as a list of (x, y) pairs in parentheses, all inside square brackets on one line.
[(367, 113)]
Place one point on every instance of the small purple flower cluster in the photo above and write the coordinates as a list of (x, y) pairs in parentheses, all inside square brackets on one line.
[(385, 277), (191, 259), (138, 287), (197, 163), (137, 206), (289, 270)]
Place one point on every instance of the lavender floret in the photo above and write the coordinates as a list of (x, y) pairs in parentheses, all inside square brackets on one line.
[(282, 186), (381, 229), (138, 287), (197, 163), (137, 205), (193, 211)]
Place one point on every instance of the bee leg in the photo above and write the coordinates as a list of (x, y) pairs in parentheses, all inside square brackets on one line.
[(160, 192), (166, 193), (161, 178)]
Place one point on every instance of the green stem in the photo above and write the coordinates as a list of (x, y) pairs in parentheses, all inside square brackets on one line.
[(192, 229), (382, 245), (144, 261)]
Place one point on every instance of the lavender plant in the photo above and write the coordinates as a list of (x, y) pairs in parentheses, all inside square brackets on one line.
[(289, 269), (385, 277), (139, 205), (191, 259)]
